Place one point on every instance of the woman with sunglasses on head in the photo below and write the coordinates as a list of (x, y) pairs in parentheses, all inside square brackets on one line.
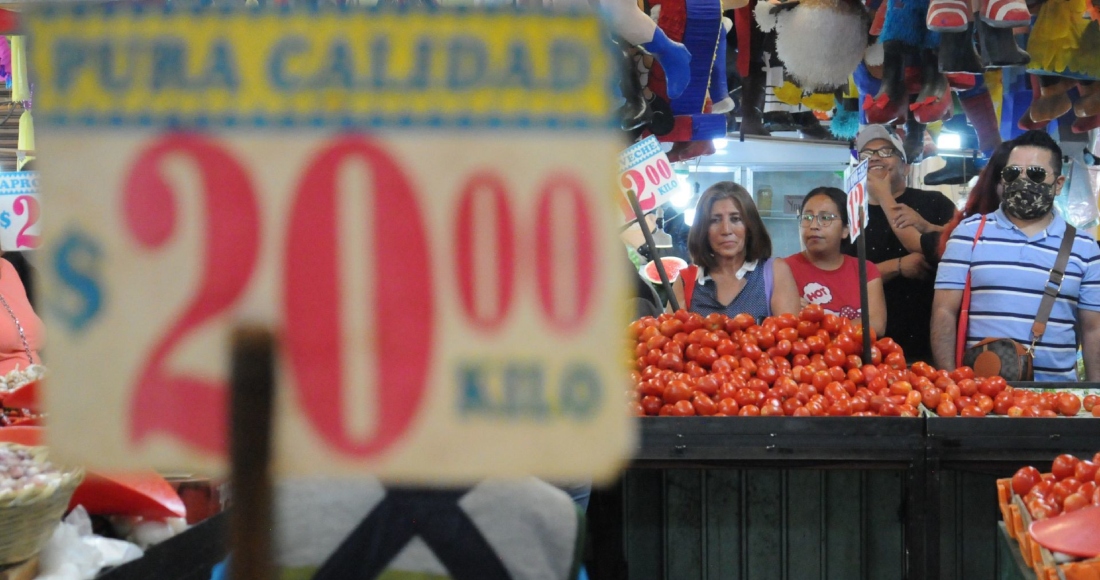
[(822, 273), (734, 271)]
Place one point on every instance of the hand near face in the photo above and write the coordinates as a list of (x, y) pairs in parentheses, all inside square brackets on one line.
[(905, 216)]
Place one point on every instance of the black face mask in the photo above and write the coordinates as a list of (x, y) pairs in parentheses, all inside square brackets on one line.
[(1027, 200)]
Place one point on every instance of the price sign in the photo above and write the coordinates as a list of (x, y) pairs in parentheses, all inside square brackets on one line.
[(855, 183), (416, 203), (19, 211), (645, 170)]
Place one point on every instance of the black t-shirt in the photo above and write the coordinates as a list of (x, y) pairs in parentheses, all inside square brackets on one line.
[(908, 301)]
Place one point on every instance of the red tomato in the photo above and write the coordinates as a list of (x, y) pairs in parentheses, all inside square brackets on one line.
[(800, 349), (807, 329), (768, 374), (816, 344), (1074, 502), (831, 323), (651, 405), (1002, 402), (772, 408), (946, 408), (1096, 497), (835, 357), (895, 360), (723, 365), (972, 411), (708, 385), (932, 397), (706, 357), (714, 321), (683, 409), (984, 403), (781, 348), (742, 321), (749, 411), (961, 373), (1014, 411), (791, 405), (1063, 488), (1064, 466), (728, 407), (1024, 479), (745, 397), (790, 334), (1085, 470), (1090, 402), (704, 405), (671, 327), (900, 388), (913, 399), (710, 340), (840, 408), (666, 410), (693, 322), (727, 347), (812, 313), (1096, 411), (1068, 404), (671, 361), (752, 352), (677, 391)]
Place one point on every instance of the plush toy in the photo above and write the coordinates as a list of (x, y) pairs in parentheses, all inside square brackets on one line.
[(697, 113), (903, 33), (1065, 50), (800, 25)]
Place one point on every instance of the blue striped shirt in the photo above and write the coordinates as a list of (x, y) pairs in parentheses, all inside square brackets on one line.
[(1008, 274)]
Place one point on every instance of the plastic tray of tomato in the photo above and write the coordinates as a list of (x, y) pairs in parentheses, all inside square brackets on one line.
[(962, 394), (1072, 484)]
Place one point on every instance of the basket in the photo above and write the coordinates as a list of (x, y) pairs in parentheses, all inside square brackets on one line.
[(27, 520)]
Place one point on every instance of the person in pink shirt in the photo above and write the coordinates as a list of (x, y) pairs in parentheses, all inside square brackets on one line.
[(21, 331), (825, 276)]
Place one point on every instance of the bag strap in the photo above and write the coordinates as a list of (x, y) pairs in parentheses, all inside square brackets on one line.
[(1054, 284), (964, 313), (688, 275)]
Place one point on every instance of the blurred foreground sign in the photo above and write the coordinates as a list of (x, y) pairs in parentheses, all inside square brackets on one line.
[(421, 205)]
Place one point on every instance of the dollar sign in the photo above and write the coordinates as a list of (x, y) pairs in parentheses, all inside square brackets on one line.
[(76, 264), (5, 219)]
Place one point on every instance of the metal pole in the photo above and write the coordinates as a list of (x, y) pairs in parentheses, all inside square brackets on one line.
[(652, 248), (865, 314)]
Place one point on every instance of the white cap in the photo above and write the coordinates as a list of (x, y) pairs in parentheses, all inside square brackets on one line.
[(872, 132)]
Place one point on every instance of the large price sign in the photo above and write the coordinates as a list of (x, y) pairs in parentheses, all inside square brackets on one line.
[(417, 204), (19, 211)]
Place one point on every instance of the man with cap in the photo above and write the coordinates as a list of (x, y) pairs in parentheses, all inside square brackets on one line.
[(898, 216)]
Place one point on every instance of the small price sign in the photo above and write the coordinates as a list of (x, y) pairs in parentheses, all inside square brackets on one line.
[(415, 203), (645, 170), (19, 211), (855, 183)]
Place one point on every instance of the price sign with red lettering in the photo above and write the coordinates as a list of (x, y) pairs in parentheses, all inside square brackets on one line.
[(855, 183), (645, 170), (19, 211), (418, 205)]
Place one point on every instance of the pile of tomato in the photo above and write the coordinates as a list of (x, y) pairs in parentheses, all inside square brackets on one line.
[(1071, 485), (685, 364)]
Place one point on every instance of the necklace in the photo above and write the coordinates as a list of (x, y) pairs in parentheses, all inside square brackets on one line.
[(22, 335)]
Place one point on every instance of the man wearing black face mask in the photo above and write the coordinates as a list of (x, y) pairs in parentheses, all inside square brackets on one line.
[(1010, 266)]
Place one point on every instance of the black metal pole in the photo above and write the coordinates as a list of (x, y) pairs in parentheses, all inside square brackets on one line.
[(652, 248), (865, 314)]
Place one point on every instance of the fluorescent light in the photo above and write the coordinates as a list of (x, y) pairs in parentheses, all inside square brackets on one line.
[(949, 141), (682, 196), (689, 216), (721, 143)]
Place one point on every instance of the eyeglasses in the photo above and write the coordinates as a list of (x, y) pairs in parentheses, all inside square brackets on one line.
[(1035, 173), (885, 153), (807, 219)]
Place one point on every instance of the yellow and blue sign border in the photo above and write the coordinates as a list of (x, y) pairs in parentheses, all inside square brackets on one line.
[(452, 69)]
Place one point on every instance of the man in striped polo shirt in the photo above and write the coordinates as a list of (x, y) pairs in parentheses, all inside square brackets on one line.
[(1010, 267)]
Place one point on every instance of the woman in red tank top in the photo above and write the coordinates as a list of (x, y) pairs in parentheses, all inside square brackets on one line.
[(822, 274)]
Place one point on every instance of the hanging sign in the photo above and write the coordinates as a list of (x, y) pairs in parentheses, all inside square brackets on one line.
[(418, 204), (855, 183), (19, 211), (645, 170)]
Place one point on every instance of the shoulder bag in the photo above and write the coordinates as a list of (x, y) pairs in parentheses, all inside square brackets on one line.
[(1003, 356)]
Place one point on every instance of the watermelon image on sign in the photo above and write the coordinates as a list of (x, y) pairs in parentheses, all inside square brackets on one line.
[(672, 264)]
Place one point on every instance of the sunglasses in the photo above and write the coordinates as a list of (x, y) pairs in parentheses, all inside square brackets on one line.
[(885, 153), (807, 219), (1035, 173)]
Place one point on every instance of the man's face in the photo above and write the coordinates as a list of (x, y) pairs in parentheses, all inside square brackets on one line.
[(1025, 157), (891, 166)]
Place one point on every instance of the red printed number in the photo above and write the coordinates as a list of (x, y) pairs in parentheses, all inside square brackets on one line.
[(29, 205), (489, 189), (403, 309), (190, 407)]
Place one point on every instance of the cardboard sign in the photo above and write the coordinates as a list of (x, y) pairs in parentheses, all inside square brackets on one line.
[(417, 204), (20, 212), (855, 183), (645, 170)]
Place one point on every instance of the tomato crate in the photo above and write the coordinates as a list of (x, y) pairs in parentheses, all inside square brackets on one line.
[(1047, 565)]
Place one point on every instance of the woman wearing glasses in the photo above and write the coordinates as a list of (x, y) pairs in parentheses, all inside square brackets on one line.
[(734, 271), (822, 273)]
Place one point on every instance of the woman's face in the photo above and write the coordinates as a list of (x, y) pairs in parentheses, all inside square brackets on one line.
[(726, 232), (819, 237)]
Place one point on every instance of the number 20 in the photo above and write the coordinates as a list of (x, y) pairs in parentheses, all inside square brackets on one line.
[(194, 409)]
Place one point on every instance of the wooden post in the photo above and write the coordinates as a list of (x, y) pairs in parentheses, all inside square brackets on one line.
[(252, 384)]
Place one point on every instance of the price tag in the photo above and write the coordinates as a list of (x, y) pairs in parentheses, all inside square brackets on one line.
[(416, 203), (19, 211), (645, 170), (855, 182)]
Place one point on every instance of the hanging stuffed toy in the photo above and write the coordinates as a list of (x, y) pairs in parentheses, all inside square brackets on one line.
[(800, 25), (1065, 50), (698, 112)]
